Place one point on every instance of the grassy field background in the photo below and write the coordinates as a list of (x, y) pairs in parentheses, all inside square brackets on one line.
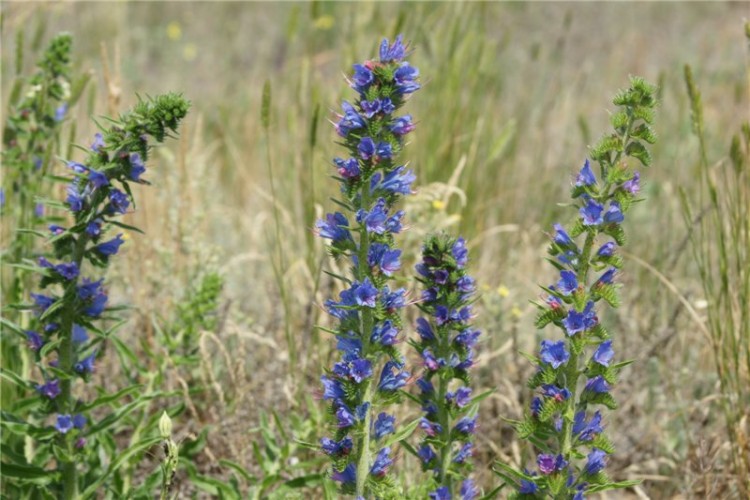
[(512, 96)]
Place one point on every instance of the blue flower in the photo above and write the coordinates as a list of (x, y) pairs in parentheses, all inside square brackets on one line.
[(596, 385), (466, 284), (137, 167), (604, 353), (345, 417), (335, 227), (351, 120), (586, 176), (89, 289), (395, 52), (74, 200), (384, 333), (606, 250), (98, 143), (401, 125), (332, 389), (360, 370), (384, 425), (78, 168), (425, 386), (118, 201), (42, 302), (110, 247), (386, 105), (426, 454), (466, 425), (396, 181), (461, 397), (393, 300), (35, 340), (68, 270), (568, 282), (336, 448), (561, 237), (86, 365), (576, 322), (460, 253), (425, 330), (442, 493), (587, 431), (97, 304), (79, 421), (559, 394), (346, 476), (468, 490), (554, 353), (60, 112), (50, 389), (79, 334), (467, 338), (549, 464), (55, 229), (591, 213), (596, 461), (94, 228), (370, 108), (366, 148), (405, 79), (348, 169), (633, 186), (528, 487), (365, 294), (64, 424), (362, 78), (614, 214), (390, 380), (429, 427), (374, 220), (429, 360), (98, 179), (381, 463), (383, 257), (463, 453)]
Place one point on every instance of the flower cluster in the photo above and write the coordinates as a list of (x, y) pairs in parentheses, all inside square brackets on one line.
[(446, 346), (575, 374), (370, 372), (68, 339)]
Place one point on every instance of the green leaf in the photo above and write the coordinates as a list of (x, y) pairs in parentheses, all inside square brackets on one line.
[(121, 459), (29, 473), (613, 486), (125, 226), (265, 109), (109, 398), (238, 469), (15, 379), (402, 433), (303, 481)]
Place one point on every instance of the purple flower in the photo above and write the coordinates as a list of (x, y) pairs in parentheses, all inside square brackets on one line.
[(441, 276), (42, 302), (336, 448), (74, 200), (110, 247), (55, 229), (556, 393), (561, 237), (381, 463), (606, 250), (335, 227), (96, 307), (633, 186), (461, 397), (429, 360), (365, 294), (382, 256), (346, 476), (604, 353), (60, 112), (401, 125), (395, 52), (39, 210), (98, 179), (370, 108), (591, 213), (586, 176), (393, 300), (554, 353), (77, 167), (580, 321), (384, 425), (348, 169), (375, 220), (393, 224), (366, 148), (35, 341), (466, 425), (64, 424), (568, 282), (460, 253), (98, 142), (118, 201), (549, 463), (396, 181), (425, 386), (442, 493), (362, 78), (345, 417), (390, 380), (466, 284), (50, 389), (405, 79), (360, 370), (89, 289), (596, 461), (614, 214), (137, 167), (596, 385), (587, 431)]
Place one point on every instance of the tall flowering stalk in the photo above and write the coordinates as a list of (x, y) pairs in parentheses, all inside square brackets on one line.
[(446, 342), (576, 373), (370, 371), (65, 352)]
